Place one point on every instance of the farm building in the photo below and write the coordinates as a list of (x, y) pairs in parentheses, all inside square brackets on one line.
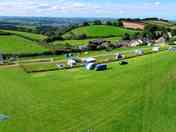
[(133, 25), (1, 59), (89, 60), (71, 62)]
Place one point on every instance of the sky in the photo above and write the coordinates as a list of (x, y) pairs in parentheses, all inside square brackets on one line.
[(89, 8)]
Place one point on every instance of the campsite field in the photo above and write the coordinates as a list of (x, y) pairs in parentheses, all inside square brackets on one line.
[(101, 31), (16, 44), (139, 97)]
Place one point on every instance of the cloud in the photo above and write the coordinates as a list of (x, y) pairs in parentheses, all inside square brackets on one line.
[(157, 3), (68, 8)]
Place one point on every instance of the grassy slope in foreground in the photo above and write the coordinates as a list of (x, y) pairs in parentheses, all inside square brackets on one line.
[(26, 34), (15, 44), (138, 97), (101, 31)]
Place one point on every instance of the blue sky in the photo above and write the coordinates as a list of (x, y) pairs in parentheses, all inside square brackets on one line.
[(89, 8)]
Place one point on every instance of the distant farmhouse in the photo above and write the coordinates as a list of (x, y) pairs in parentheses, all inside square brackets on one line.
[(133, 24)]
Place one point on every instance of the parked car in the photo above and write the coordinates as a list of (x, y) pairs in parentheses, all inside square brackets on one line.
[(101, 67)]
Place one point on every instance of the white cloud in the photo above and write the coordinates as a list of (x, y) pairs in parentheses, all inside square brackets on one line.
[(82, 8)]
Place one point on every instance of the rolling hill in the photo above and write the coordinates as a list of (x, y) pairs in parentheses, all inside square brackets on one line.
[(100, 31), (27, 35), (17, 44)]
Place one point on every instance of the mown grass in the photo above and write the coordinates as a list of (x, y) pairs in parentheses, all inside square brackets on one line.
[(101, 31), (138, 97), (33, 36), (16, 44)]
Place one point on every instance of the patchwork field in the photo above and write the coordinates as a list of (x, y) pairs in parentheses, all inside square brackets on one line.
[(101, 31), (139, 97), (16, 44)]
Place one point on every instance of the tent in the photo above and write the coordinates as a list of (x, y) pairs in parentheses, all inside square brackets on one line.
[(139, 52), (71, 62), (119, 56)]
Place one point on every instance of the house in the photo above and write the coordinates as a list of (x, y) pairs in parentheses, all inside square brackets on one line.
[(156, 49), (89, 60), (1, 59), (133, 24), (71, 62)]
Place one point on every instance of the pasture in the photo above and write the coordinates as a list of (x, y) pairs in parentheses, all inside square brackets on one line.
[(16, 44), (139, 97), (32, 36), (96, 31)]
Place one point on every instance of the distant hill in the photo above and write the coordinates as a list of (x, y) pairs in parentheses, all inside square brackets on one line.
[(100, 31), (167, 24)]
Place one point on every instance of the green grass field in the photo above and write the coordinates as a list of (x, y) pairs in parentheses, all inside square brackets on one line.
[(16, 44), (33, 36), (139, 97), (101, 31)]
